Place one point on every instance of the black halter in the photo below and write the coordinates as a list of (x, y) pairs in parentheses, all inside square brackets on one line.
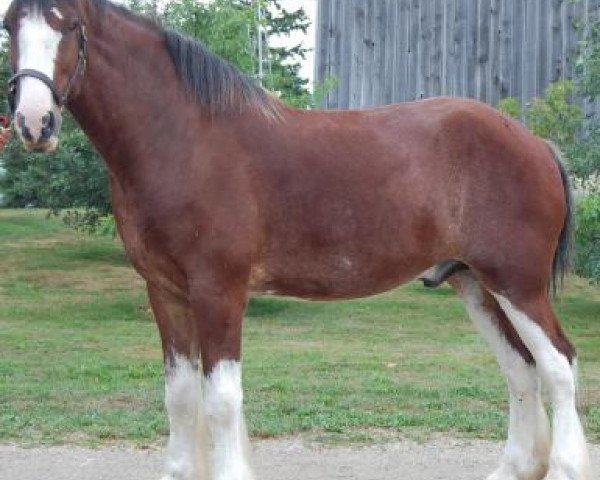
[(60, 99)]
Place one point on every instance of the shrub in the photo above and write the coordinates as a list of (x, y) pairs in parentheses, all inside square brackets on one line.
[(510, 106), (587, 237), (553, 116)]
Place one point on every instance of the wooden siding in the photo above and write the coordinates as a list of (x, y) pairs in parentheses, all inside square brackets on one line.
[(386, 51)]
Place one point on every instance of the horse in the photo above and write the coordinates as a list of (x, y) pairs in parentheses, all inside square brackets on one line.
[(219, 191)]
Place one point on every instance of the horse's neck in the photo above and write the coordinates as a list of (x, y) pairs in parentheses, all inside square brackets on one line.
[(128, 90)]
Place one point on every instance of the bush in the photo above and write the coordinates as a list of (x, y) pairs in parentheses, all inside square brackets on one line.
[(72, 177), (510, 106), (587, 237), (552, 116), (584, 154)]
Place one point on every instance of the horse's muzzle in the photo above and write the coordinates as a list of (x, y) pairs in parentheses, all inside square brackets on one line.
[(38, 135), (46, 146)]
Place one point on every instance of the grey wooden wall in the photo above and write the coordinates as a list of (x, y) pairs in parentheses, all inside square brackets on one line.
[(386, 51)]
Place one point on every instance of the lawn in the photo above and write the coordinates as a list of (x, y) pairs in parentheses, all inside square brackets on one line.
[(81, 363)]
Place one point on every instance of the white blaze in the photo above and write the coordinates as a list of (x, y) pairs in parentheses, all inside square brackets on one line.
[(38, 47)]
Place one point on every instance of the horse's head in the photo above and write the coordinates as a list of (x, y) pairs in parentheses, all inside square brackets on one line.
[(48, 47)]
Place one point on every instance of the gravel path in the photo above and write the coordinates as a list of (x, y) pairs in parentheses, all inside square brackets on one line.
[(289, 459)]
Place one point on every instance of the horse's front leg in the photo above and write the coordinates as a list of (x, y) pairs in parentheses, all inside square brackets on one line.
[(218, 310), (187, 455)]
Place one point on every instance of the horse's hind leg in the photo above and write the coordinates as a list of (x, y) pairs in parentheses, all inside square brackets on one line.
[(528, 445), (540, 330)]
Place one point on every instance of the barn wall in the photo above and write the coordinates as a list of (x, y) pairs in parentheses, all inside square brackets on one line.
[(386, 51)]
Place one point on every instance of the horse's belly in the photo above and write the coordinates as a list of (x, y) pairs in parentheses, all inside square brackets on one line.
[(340, 278)]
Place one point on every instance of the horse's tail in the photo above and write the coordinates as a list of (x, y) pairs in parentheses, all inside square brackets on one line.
[(562, 256)]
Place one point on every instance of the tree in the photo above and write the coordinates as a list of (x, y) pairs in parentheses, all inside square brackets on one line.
[(72, 177), (230, 29), (5, 72)]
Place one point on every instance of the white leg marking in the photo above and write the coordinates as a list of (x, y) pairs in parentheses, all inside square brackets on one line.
[(528, 445), (569, 458), (223, 403), (183, 398), (38, 47)]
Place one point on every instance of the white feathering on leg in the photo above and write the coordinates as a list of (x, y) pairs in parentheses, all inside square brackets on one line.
[(223, 403)]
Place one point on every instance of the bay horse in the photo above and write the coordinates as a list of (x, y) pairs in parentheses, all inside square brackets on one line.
[(219, 190)]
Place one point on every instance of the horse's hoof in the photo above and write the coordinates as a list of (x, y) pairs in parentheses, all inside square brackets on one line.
[(559, 475), (507, 473)]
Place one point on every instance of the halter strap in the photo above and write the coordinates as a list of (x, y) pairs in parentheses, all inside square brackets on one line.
[(60, 100), (28, 72)]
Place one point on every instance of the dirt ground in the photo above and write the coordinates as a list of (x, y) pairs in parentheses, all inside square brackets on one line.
[(288, 459)]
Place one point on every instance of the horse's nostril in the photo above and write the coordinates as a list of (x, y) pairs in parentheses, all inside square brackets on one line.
[(49, 125), (25, 132)]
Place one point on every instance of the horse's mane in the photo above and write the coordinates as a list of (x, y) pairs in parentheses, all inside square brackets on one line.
[(218, 86)]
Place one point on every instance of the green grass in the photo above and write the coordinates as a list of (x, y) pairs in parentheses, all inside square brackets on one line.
[(80, 358)]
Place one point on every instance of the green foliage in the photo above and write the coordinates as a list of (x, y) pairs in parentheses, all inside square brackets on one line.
[(5, 72), (510, 106), (554, 116), (584, 154), (587, 237), (221, 25), (588, 63), (322, 89), (107, 226), (229, 28), (72, 177)]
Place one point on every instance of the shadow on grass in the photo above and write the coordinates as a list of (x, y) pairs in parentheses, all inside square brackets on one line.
[(266, 307)]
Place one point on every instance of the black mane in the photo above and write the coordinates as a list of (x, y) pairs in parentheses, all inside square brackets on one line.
[(218, 85)]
